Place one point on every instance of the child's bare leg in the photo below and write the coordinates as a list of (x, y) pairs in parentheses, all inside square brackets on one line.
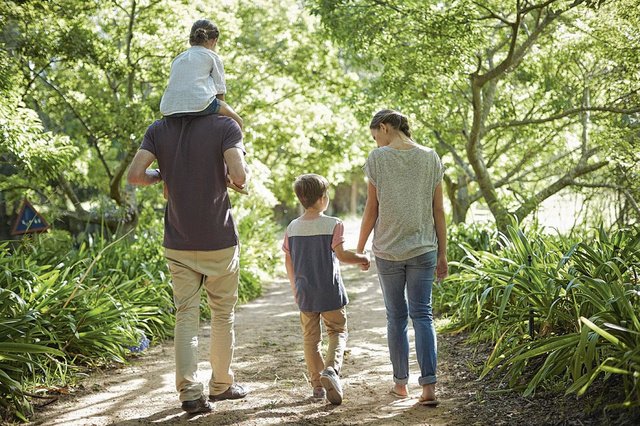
[(227, 111)]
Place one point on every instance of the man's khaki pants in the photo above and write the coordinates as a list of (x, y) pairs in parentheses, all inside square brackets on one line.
[(335, 323), (217, 271)]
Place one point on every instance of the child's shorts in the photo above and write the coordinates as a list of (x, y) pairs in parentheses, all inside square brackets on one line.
[(212, 108)]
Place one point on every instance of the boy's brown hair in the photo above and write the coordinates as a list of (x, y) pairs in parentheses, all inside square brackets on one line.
[(310, 188)]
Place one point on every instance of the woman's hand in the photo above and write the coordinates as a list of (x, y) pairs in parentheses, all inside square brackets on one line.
[(442, 268), (365, 266)]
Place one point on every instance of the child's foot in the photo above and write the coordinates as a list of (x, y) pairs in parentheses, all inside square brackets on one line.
[(319, 393), (331, 382), (237, 188)]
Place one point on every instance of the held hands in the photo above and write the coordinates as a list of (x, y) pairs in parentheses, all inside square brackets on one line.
[(366, 263)]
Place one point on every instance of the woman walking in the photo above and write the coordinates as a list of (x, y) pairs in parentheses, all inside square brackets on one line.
[(404, 208)]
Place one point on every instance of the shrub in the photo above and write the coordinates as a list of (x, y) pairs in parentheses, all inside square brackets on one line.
[(561, 309), (78, 306)]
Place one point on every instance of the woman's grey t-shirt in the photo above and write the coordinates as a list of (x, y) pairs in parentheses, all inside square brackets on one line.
[(405, 182)]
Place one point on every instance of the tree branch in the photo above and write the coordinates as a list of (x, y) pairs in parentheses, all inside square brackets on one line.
[(456, 157), (93, 140), (506, 62), (619, 188), (35, 77), (533, 202), (131, 76), (533, 7), (560, 115), (492, 14), (114, 184), (540, 169), (70, 193)]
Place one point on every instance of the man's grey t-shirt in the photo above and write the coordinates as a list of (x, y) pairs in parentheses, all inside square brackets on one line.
[(405, 182), (190, 156)]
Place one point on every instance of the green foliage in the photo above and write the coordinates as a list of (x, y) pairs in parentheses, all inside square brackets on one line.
[(95, 72), (580, 299), (68, 304), (24, 144), (469, 236), (81, 306), (503, 86), (257, 232)]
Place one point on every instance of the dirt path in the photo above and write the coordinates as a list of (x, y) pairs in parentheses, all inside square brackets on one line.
[(269, 361)]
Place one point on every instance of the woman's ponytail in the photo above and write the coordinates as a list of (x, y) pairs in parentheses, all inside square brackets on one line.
[(392, 118)]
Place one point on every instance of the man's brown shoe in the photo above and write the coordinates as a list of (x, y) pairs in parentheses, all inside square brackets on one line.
[(200, 405), (235, 391)]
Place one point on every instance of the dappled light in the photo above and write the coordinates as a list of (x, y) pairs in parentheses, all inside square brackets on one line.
[(269, 361), (495, 141)]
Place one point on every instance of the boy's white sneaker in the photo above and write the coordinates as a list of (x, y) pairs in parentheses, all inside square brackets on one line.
[(331, 382)]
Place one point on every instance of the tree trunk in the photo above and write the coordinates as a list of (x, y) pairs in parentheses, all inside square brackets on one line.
[(5, 226), (476, 159), (353, 207), (458, 195)]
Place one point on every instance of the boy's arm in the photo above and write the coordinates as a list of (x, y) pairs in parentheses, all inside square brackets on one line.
[(351, 257), (292, 281)]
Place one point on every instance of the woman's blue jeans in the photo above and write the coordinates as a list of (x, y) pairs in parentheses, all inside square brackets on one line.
[(406, 288)]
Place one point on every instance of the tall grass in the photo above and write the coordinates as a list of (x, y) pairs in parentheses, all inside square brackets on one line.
[(66, 306), (556, 310), (76, 306)]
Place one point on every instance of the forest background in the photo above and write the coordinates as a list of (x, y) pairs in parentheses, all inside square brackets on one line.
[(523, 100)]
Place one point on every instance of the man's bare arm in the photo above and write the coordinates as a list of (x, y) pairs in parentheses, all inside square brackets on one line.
[(238, 169), (138, 173)]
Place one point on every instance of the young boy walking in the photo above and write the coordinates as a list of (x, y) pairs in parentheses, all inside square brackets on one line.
[(313, 244)]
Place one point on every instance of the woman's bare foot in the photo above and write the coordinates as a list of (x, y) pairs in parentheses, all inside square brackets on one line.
[(428, 392), (400, 390)]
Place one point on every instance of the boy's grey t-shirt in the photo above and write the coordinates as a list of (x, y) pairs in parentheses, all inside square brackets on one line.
[(405, 182), (318, 282)]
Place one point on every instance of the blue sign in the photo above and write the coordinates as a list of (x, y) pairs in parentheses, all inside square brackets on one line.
[(29, 220)]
